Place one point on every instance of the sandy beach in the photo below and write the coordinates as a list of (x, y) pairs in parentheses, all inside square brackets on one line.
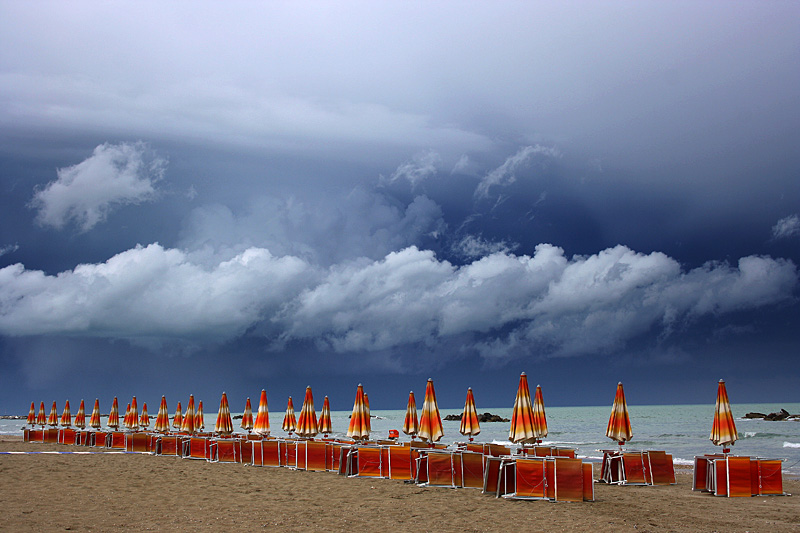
[(105, 491)]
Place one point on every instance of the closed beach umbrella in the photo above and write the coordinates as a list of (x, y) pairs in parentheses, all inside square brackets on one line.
[(41, 418), (469, 418), (307, 422), (31, 421), (619, 423), (224, 425), (523, 426), (369, 414), (261, 424), (144, 421), (199, 423), (52, 418), (187, 424), (66, 416), (177, 420), (113, 415), (539, 418), (80, 417), (133, 416), (247, 417), (126, 420), (430, 423), (723, 432), (162, 418), (94, 420), (324, 423), (359, 419), (411, 422), (289, 421)]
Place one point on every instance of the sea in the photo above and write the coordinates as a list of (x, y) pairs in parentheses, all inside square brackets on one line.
[(680, 430)]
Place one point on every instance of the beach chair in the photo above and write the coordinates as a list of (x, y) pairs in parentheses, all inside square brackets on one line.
[(66, 436), (634, 468), (170, 445), (115, 440), (568, 479), (227, 451), (491, 474), (770, 478), (524, 479), (660, 468), (288, 448), (311, 455), (472, 464), (400, 462), (50, 436), (137, 442), (443, 469), (34, 435), (196, 448), (345, 451), (265, 452), (365, 461)]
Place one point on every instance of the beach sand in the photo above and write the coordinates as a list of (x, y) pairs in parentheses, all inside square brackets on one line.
[(103, 492)]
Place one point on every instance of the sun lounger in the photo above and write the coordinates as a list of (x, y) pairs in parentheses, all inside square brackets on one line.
[(311, 455), (264, 452), (472, 467), (196, 448), (661, 468), (443, 468), (34, 435), (227, 451), (137, 442), (736, 476), (400, 462), (169, 445), (50, 436), (115, 440), (365, 461), (66, 436)]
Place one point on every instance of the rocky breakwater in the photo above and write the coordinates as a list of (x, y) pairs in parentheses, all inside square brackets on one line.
[(485, 417), (783, 414)]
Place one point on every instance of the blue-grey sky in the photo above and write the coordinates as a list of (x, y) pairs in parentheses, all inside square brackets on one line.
[(198, 198)]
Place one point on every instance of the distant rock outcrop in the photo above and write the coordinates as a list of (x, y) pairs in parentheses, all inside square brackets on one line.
[(485, 417), (783, 414)]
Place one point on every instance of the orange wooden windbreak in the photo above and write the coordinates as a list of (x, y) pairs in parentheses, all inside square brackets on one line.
[(359, 419), (224, 424), (247, 417), (289, 420), (261, 424), (94, 420), (469, 418), (324, 424), (66, 416), (411, 422), (162, 418), (523, 425), (307, 423), (619, 423), (80, 416), (430, 424), (723, 431)]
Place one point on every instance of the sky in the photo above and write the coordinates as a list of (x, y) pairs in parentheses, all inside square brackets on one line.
[(199, 198)]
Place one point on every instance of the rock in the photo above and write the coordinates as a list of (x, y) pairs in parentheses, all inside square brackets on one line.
[(238, 417), (485, 417), (453, 417), (782, 415), (755, 415)]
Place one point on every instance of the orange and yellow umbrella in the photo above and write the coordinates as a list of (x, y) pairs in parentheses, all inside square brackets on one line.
[(80, 416), (369, 414), (162, 418), (52, 418), (324, 423), (224, 425), (41, 418), (126, 420), (307, 422), (66, 416), (723, 431), (261, 424), (539, 418), (177, 420), (133, 420), (523, 425), (31, 421), (187, 425), (430, 424), (113, 415), (144, 421), (619, 423), (411, 422), (470, 426), (359, 420), (289, 421), (94, 420), (247, 417), (199, 422)]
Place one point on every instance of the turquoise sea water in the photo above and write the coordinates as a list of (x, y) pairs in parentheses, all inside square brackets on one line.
[(681, 430)]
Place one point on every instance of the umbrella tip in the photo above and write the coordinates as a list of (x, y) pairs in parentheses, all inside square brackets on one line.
[(619, 383), (722, 381), (430, 379), (523, 374)]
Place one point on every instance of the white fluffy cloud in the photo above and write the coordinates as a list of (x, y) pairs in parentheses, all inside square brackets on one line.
[(545, 304), (114, 175), (786, 227), (421, 167)]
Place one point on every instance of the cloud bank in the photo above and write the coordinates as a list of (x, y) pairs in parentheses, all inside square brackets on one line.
[(114, 175), (544, 305)]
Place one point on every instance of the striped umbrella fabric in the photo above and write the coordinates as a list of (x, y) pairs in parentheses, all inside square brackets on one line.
[(411, 422), (619, 423), (66, 416), (199, 422), (126, 420), (324, 423), (469, 418), (41, 418), (289, 421), (247, 417), (307, 422), (723, 431), (31, 421), (133, 417), (113, 415), (144, 421), (539, 417), (52, 418), (224, 425), (261, 424), (80, 416), (430, 423), (359, 419), (94, 420), (162, 418), (369, 414), (177, 420), (187, 425), (522, 422)]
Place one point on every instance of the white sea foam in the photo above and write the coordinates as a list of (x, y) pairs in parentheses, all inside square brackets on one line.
[(791, 444), (748, 434), (679, 461)]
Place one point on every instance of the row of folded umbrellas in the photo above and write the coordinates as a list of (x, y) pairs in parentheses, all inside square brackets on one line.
[(528, 421)]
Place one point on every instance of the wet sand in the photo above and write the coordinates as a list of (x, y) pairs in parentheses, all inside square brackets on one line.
[(108, 491)]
